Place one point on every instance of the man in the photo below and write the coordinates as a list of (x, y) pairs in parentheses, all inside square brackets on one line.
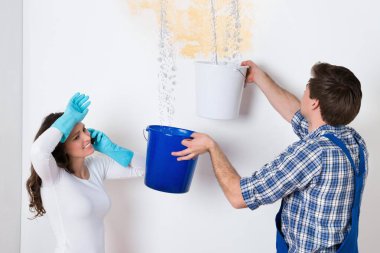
[(319, 178)]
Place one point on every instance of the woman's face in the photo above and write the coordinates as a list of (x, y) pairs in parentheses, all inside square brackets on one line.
[(78, 144)]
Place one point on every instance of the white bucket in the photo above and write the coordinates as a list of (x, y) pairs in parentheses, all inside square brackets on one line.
[(219, 89)]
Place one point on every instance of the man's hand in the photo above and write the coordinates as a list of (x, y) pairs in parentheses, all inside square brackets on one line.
[(284, 102), (199, 144), (254, 73), (226, 175)]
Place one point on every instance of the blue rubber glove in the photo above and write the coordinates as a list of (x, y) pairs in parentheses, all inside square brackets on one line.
[(104, 145), (75, 112)]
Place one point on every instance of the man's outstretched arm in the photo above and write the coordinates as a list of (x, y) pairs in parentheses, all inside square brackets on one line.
[(284, 102), (228, 178)]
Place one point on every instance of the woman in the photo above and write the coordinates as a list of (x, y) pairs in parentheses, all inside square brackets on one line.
[(66, 180)]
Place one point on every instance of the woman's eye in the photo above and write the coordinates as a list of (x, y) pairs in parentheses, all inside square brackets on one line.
[(76, 137)]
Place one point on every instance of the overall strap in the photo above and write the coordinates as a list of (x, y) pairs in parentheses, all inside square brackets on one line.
[(350, 242), (340, 143), (358, 173)]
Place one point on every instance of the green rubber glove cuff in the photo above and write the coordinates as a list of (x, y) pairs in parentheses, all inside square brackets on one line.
[(103, 144), (121, 155), (65, 124)]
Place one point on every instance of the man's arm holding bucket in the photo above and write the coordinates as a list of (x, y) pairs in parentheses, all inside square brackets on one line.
[(228, 178), (285, 103)]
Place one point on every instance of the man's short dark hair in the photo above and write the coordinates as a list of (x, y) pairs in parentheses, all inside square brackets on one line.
[(338, 91)]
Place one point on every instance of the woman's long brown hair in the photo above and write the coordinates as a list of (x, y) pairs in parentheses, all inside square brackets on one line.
[(34, 182)]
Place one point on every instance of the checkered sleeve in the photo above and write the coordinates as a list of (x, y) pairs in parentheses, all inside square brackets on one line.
[(292, 170), (300, 125)]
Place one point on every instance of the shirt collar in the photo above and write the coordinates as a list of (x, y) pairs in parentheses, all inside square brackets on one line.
[(325, 129)]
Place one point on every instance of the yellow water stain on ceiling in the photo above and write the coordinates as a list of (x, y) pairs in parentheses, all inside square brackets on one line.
[(190, 25)]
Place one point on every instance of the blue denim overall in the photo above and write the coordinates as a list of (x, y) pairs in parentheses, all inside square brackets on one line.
[(350, 243)]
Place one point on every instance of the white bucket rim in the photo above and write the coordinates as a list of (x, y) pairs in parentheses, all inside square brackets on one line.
[(223, 64)]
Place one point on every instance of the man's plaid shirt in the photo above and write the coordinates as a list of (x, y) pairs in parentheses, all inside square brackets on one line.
[(314, 178)]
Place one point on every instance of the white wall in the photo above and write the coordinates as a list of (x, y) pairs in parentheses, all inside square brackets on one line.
[(10, 118), (96, 47)]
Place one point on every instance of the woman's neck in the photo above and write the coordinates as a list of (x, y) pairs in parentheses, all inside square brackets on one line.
[(79, 168)]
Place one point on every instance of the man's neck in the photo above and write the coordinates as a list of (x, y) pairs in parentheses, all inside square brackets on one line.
[(316, 123)]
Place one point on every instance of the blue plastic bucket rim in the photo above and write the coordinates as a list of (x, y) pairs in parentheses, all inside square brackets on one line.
[(170, 131)]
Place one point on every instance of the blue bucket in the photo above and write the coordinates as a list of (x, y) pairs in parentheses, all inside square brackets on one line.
[(163, 171)]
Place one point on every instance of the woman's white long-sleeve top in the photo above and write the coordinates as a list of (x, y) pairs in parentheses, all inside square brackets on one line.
[(76, 207)]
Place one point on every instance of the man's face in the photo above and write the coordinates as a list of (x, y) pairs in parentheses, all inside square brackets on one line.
[(306, 103)]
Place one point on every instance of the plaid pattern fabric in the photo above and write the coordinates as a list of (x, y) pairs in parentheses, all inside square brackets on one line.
[(314, 178)]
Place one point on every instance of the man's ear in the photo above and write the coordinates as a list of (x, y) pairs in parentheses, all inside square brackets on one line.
[(315, 104)]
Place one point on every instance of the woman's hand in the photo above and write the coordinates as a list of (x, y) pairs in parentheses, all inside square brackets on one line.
[(77, 107), (104, 145), (101, 142), (75, 112)]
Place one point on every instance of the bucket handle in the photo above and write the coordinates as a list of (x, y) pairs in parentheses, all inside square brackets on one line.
[(241, 73), (245, 84), (144, 130)]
